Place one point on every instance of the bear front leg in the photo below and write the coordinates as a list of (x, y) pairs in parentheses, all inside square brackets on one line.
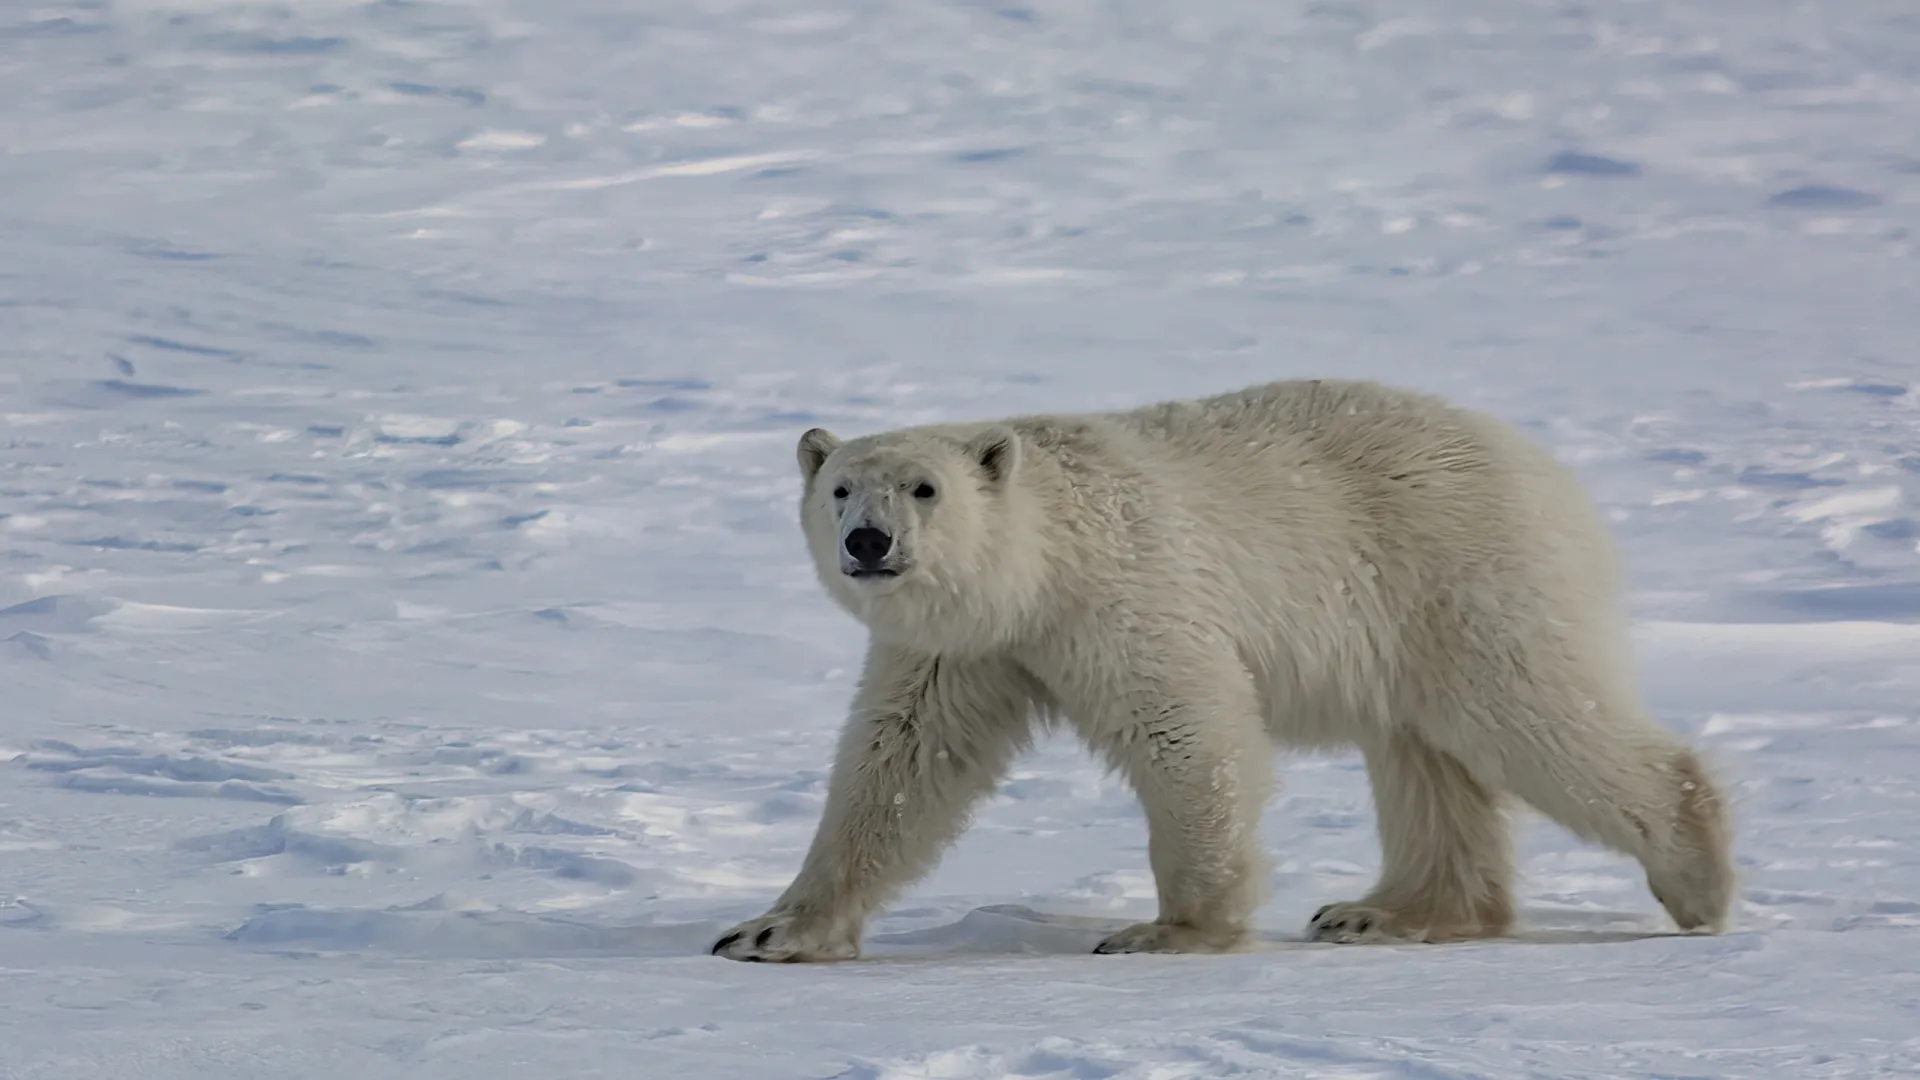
[(927, 737), (1201, 764)]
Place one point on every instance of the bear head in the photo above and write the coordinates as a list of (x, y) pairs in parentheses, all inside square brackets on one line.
[(929, 536)]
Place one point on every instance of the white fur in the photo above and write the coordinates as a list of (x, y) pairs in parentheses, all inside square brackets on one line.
[(1188, 585)]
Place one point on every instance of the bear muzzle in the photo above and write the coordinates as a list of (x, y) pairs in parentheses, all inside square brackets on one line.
[(865, 554)]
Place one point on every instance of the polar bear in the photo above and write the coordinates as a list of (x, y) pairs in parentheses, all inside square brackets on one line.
[(1189, 585)]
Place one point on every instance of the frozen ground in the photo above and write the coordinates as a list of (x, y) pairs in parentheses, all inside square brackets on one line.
[(408, 658)]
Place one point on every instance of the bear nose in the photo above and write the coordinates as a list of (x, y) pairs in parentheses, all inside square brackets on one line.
[(868, 546)]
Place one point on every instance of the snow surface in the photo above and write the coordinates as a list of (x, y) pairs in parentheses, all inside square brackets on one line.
[(409, 658)]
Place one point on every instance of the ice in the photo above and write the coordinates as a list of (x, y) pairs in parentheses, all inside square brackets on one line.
[(408, 658)]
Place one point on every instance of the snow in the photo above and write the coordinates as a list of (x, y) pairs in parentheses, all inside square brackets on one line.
[(411, 663)]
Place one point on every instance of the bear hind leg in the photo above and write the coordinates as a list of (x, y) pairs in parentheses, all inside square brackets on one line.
[(1446, 850), (1609, 775)]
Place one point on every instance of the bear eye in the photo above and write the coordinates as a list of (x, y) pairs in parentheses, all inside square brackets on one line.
[(924, 491), (840, 492)]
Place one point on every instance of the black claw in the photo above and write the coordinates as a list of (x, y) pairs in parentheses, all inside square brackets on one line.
[(724, 942), (755, 959), (1365, 924), (760, 941)]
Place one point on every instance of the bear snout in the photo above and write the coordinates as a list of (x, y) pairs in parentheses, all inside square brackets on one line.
[(868, 547)]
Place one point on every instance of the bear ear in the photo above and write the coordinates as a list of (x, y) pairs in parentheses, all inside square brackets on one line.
[(997, 452), (814, 447)]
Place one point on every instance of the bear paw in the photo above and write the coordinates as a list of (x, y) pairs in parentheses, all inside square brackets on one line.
[(1352, 923), (783, 938), (1155, 937), (1360, 923)]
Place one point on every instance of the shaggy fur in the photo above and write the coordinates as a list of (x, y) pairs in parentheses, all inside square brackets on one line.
[(1186, 586)]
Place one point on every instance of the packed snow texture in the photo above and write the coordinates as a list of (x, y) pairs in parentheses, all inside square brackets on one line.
[(409, 656)]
